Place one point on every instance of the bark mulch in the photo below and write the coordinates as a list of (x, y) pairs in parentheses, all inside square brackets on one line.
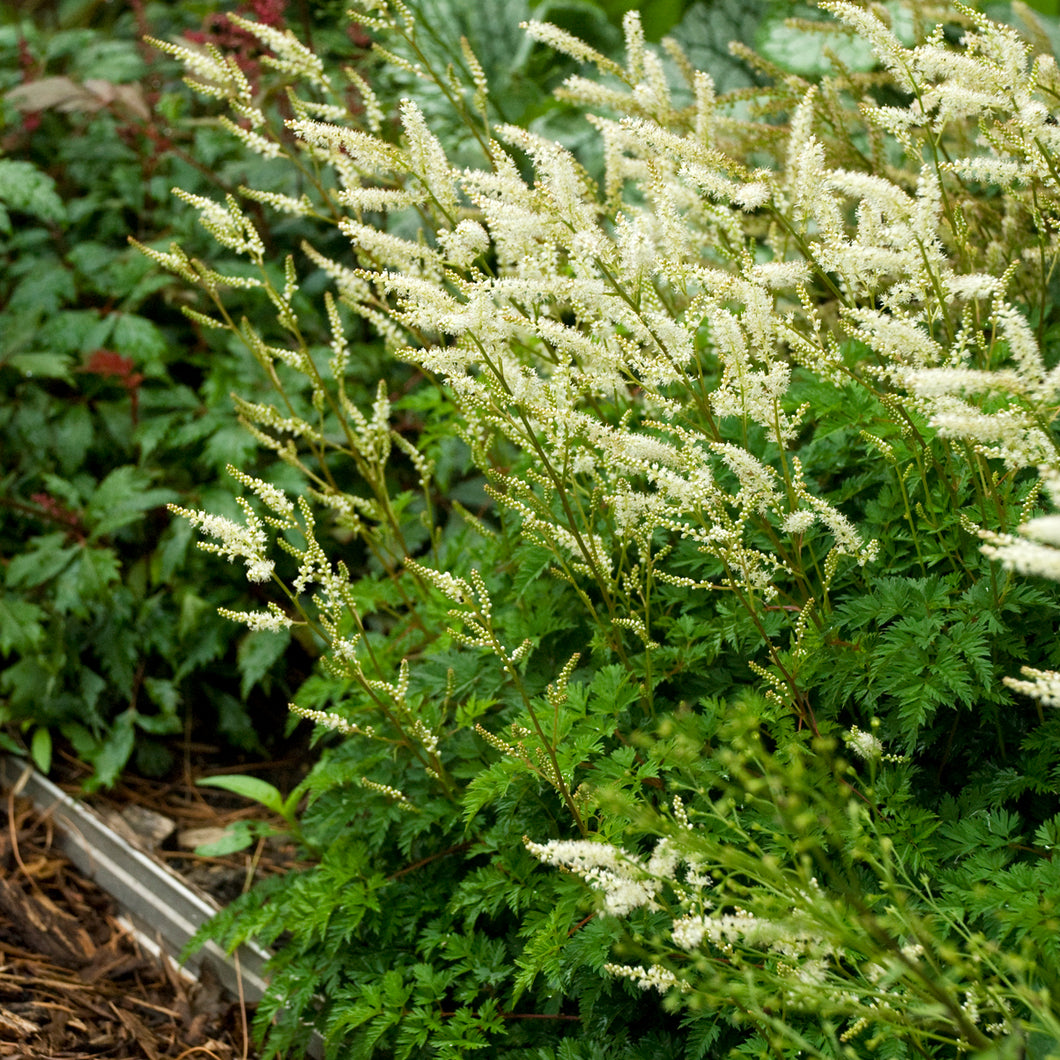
[(74, 982)]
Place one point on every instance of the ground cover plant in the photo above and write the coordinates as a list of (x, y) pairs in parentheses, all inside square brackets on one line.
[(686, 592)]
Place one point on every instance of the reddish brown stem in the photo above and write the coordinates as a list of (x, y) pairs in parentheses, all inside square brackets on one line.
[(432, 857)]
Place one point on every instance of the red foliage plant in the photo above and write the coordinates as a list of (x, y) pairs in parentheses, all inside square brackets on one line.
[(219, 30), (108, 364)]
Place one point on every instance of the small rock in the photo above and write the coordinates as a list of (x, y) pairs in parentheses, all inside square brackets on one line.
[(151, 828), (190, 838)]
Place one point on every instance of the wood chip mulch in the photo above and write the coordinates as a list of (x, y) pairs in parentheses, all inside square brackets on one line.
[(74, 982)]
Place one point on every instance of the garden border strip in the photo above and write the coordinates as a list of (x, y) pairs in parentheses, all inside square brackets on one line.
[(162, 910)]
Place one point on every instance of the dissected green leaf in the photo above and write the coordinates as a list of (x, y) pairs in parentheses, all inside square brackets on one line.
[(21, 626), (122, 498), (24, 188), (258, 653)]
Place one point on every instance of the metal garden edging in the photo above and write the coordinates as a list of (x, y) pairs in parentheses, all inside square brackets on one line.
[(162, 909)]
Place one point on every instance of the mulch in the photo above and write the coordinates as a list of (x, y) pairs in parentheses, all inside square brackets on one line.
[(74, 981)]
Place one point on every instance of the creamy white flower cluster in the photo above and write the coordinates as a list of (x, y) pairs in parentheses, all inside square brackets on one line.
[(539, 305), (868, 746), (246, 541), (652, 977), (539, 380), (610, 334), (625, 881), (803, 952), (1042, 685), (1035, 550), (964, 356)]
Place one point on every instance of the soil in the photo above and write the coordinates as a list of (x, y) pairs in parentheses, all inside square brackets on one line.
[(74, 982)]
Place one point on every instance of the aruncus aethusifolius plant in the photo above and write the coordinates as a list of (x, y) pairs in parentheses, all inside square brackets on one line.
[(736, 416)]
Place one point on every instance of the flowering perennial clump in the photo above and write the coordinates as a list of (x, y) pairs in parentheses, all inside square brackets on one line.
[(709, 460)]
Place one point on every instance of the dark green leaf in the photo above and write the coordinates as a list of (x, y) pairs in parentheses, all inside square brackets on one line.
[(258, 653)]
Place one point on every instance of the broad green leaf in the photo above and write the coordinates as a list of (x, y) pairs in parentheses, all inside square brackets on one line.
[(45, 558), (92, 260), (22, 330), (87, 580), (657, 18), (107, 59), (137, 337), (122, 498), (230, 444), (42, 365), (47, 285), (72, 331), (40, 749), (73, 436), (254, 788), (803, 53)]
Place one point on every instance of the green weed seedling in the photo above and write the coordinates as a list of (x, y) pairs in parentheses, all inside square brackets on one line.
[(242, 834)]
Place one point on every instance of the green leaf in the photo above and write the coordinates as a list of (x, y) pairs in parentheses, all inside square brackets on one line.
[(238, 836), (227, 445), (42, 365), (254, 788), (73, 437), (24, 188), (46, 557), (657, 18), (164, 694), (158, 724), (47, 285), (611, 691), (122, 498), (40, 749), (1048, 834), (88, 580), (21, 626), (73, 331), (109, 754), (20, 331), (257, 654), (137, 337), (117, 60), (533, 562), (803, 53), (91, 260), (11, 746)]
